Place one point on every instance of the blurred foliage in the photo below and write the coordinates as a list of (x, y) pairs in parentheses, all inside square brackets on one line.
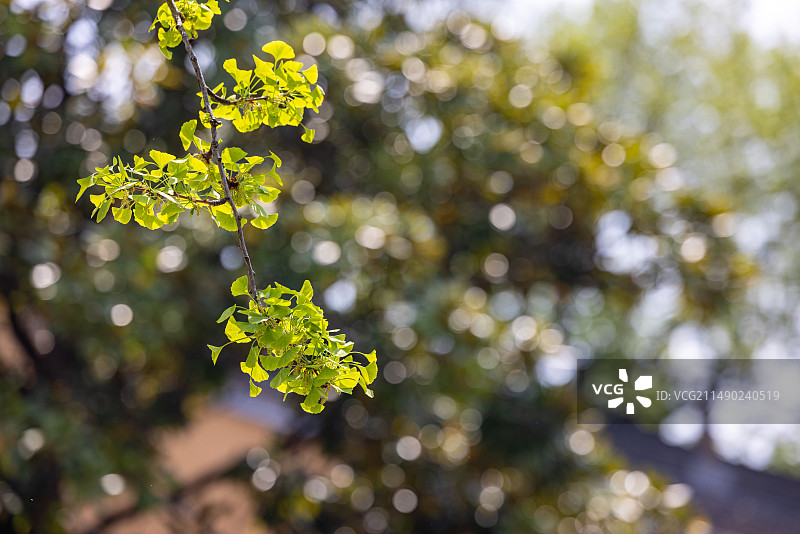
[(480, 209)]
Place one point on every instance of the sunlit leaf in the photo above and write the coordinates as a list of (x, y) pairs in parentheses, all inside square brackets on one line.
[(239, 286), (311, 74), (307, 291), (214, 353), (103, 210), (279, 50), (233, 154), (161, 158), (85, 183), (224, 217), (235, 333), (313, 401), (252, 367), (122, 215), (264, 222), (227, 313), (308, 134), (187, 133)]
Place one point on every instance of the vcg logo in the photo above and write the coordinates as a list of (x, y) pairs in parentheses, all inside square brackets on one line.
[(618, 390)]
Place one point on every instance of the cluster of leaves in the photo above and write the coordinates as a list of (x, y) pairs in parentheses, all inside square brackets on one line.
[(293, 338), (154, 193), (195, 16), (309, 360), (272, 93)]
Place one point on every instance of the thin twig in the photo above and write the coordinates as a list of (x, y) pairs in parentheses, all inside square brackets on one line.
[(225, 102), (215, 154), (217, 202)]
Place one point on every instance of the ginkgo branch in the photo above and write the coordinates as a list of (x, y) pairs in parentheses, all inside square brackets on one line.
[(215, 154), (245, 100), (214, 203), (290, 343)]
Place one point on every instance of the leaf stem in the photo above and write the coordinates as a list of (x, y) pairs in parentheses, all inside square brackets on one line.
[(218, 202), (215, 153), (225, 102)]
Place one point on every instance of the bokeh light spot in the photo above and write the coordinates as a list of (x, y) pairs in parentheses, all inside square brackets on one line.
[(341, 296), (581, 442), (235, 19), (326, 253), (121, 314), (314, 44), (45, 275), (112, 484), (405, 501), (408, 448), (502, 216)]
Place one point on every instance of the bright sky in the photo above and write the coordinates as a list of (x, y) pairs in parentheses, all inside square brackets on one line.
[(773, 21), (769, 21)]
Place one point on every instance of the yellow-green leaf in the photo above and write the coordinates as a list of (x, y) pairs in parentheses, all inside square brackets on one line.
[(308, 135), (214, 353), (263, 69), (227, 313), (213, 6), (187, 133), (347, 381), (235, 333), (233, 154), (97, 200), (271, 363), (264, 222), (311, 74), (313, 401), (224, 217), (242, 77), (239, 286), (169, 214), (251, 366), (161, 158), (254, 389), (307, 291), (371, 370), (145, 216), (84, 183), (279, 50), (122, 215), (103, 210)]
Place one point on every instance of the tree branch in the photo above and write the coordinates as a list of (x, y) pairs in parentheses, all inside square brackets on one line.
[(225, 102), (215, 153), (218, 202), (218, 99)]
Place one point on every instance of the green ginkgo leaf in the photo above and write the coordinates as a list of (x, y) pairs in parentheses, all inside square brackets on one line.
[(227, 313), (279, 50), (239, 286), (308, 134), (263, 223), (214, 353), (122, 215), (187, 133)]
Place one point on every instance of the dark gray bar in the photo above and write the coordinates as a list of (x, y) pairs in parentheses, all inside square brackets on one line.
[(729, 391)]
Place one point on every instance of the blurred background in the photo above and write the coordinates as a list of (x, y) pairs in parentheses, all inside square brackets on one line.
[(495, 190)]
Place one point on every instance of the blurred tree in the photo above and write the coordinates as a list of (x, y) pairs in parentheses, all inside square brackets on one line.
[(480, 209), (505, 230)]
